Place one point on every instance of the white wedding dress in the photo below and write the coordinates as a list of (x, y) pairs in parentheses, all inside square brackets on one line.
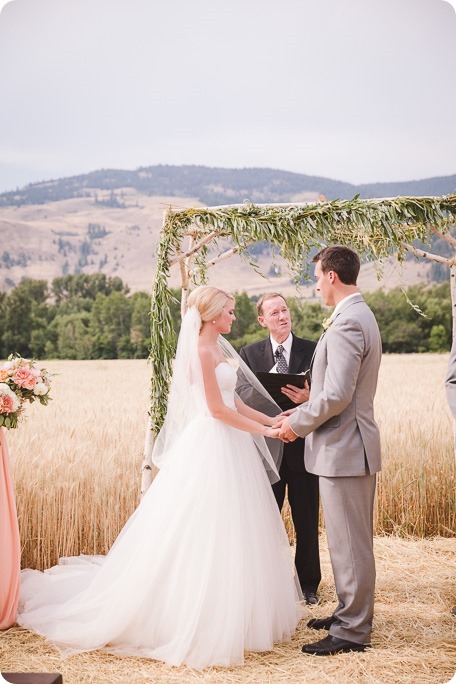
[(201, 572)]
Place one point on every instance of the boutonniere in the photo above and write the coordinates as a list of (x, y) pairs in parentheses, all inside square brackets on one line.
[(327, 323)]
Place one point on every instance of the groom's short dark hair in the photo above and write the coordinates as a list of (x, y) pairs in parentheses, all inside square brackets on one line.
[(340, 259)]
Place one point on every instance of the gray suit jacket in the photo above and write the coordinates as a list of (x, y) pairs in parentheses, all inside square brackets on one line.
[(339, 416)]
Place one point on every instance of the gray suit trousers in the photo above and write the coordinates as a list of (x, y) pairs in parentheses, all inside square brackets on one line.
[(348, 504)]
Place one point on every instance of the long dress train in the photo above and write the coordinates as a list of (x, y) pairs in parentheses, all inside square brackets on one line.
[(201, 572)]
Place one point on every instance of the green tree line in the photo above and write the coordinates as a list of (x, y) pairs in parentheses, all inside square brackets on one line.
[(95, 317)]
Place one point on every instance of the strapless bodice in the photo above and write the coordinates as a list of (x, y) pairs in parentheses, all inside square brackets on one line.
[(226, 378)]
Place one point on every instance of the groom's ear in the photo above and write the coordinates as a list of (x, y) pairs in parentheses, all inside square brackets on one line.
[(262, 322)]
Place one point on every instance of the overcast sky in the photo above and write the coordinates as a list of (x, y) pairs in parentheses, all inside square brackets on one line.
[(355, 90)]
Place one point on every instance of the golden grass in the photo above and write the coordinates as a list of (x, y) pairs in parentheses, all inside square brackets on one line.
[(76, 468), (416, 494), (413, 638), (76, 463)]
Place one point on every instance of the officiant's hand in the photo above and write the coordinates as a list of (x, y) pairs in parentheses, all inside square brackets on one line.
[(296, 394), (286, 434)]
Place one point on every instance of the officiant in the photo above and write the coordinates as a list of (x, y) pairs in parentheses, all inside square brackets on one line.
[(283, 352)]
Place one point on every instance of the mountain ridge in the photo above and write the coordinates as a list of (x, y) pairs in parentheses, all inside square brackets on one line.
[(216, 185), (101, 222)]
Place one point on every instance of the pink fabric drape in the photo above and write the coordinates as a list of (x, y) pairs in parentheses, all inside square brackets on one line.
[(10, 549)]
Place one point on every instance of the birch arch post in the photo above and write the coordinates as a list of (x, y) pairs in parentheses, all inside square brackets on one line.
[(375, 228)]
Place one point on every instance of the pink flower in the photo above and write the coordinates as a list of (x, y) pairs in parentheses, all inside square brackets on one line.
[(9, 402), (21, 381), (6, 404), (24, 378), (35, 371)]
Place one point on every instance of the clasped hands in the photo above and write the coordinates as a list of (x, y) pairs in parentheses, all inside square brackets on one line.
[(280, 428), (298, 396)]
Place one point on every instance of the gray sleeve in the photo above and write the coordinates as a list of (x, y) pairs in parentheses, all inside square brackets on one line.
[(345, 349)]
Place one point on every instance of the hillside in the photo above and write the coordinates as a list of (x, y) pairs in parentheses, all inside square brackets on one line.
[(91, 223), (80, 235)]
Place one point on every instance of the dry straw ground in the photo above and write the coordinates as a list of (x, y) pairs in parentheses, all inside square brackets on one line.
[(76, 470)]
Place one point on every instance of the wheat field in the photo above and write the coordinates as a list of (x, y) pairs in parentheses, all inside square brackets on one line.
[(76, 463), (76, 468)]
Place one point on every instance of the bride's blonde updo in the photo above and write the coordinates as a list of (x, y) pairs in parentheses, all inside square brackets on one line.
[(209, 301)]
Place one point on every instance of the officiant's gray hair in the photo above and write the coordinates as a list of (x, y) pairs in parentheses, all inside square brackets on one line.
[(210, 301), (265, 298)]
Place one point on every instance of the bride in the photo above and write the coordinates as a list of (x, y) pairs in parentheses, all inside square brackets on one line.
[(202, 570)]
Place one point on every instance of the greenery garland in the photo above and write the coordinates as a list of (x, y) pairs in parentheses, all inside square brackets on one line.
[(375, 228)]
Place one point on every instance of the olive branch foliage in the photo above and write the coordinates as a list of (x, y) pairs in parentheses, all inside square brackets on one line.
[(375, 228)]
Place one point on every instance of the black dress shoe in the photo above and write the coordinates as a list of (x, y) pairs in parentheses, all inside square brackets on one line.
[(331, 645), (311, 598), (322, 623)]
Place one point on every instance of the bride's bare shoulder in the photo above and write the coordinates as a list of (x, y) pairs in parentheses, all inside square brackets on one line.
[(206, 355)]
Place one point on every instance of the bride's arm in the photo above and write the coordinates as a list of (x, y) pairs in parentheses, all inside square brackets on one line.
[(252, 413), (222, 412)]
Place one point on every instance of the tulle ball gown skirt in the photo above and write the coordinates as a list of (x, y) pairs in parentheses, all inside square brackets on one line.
[(201, 572)]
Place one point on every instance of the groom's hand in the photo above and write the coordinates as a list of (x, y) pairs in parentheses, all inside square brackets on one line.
[(288, 412), (278, 420), (286, 434)]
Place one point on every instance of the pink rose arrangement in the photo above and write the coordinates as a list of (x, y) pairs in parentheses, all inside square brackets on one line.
[(21, 380)]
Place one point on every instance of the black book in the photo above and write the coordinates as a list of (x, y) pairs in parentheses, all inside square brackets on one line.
[(273, 383)]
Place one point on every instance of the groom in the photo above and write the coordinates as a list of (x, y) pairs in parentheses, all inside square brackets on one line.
[(343, 447)]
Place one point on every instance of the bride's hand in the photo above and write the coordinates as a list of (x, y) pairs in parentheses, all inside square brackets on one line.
[(272, 432)]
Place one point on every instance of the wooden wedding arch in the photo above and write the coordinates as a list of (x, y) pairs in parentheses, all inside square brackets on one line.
[(375, 228)]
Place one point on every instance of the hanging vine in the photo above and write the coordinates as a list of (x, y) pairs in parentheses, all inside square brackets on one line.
[(375, 228)]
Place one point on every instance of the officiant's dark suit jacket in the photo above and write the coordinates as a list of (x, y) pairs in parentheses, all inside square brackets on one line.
[(259, 358), (302, 487)]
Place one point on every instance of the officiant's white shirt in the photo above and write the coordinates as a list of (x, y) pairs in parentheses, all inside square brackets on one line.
[(286, 350)]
